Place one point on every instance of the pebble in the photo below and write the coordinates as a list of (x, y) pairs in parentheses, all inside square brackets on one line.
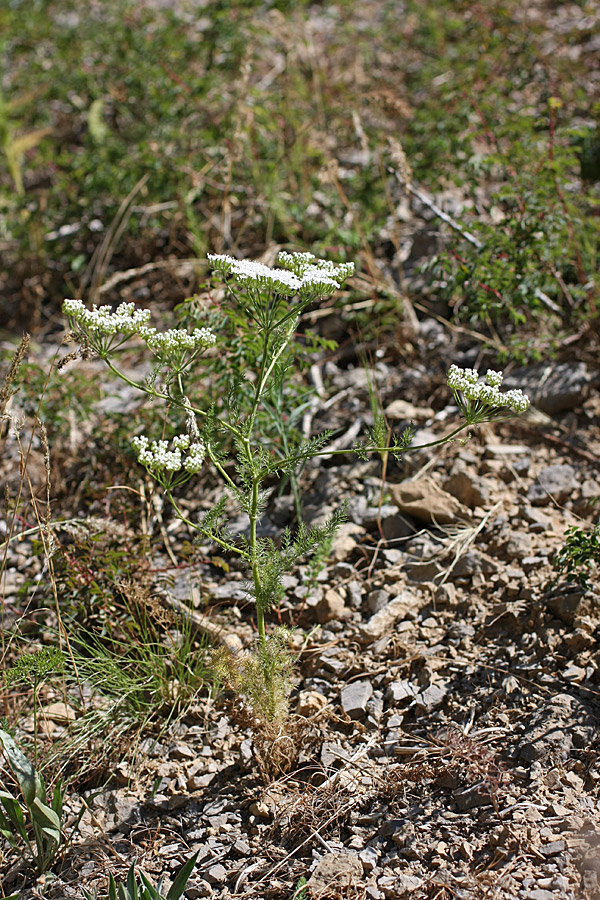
[(216, 874)]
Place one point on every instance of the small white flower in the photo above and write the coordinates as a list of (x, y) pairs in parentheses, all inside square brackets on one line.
[(494, 379)]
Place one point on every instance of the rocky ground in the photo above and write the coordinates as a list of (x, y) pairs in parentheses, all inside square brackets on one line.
[(447, 691)]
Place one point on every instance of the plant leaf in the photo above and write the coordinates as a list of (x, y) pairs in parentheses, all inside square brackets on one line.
[(29, 781), (14, 813), (132, 888), (150, 892), (44, 816), (178, 886)]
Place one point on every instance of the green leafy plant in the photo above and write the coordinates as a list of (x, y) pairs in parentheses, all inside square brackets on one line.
[(246, 457), (35, 815), (34, 669), (144, 889), (579, 555)]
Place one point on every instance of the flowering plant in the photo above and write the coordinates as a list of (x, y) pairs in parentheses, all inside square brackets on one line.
[(268, 303)]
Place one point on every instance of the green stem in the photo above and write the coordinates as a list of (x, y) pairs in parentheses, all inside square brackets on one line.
[(35, 720), (231, 548), (292, 459)]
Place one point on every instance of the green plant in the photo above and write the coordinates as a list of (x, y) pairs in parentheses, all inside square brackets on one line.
[(144, 889), (44, 817), (34, 669), (268, 303), (300, 891), (579, 555)]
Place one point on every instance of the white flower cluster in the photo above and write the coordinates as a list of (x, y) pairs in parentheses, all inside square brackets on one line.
[(302, 273), (160, 456), (486, 393), (126, 319), (177, 338), (307, 266)]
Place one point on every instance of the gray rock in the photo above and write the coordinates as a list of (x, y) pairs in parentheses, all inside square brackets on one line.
[(369, 858), (550, 730), (552, 388), (398, 691), (472, 797), (470, 489), (355, 697), (432, 697), (541, 894), (554, 848), (376, 600), (518, 545), (557, 482), (474, 562), (216, 874)]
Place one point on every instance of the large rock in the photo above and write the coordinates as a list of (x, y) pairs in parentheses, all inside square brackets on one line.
[(425, 500), (552, 387)]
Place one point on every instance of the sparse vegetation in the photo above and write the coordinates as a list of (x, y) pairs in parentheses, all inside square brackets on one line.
[(223, 595)]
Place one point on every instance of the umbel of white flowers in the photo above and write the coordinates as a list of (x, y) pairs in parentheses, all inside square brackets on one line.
[(482, 401), (127, 320), (164, 456), (304, 275)]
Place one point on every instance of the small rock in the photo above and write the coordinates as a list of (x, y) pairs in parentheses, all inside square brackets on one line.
[(310, 702), (552, 388), (181, 751), (468, 488), (331, 606), (425, 500), (332, 754), (60, 713), (472, 797), (216, 874), (399, 884), (398, 691), (345, 540), (369, 858), (383, 622), (554, 848), (474, 562), (355, 697), (260, 809), (376, 600), (549, 731), (242, 848), (553, 483), (518, 546), (432, 697), (335, 872)]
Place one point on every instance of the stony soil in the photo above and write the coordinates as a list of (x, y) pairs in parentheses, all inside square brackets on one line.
[(447, 691)]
